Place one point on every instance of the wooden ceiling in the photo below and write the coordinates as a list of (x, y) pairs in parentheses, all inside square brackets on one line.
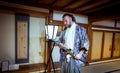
[(85, 7)]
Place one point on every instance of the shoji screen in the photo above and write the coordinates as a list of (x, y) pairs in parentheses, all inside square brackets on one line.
[(107, 48), (116, 52), (96, 45)]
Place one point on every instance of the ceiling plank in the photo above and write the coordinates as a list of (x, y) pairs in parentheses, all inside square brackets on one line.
[(76, 4), (71, 2), (85, 7), (62, 3), (93, 5), (83, 3), (106, 14), (24, 11), (108, 5), (67, 10), (52, 4)]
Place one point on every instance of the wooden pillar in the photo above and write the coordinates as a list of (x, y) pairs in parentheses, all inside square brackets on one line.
[(90, 40)]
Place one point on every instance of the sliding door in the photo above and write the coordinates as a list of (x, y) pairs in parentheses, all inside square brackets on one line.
[(107, 44), (96, 45), (116, 52)]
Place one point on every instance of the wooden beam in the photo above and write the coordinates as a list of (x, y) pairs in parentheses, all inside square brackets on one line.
[(105, 16), (92, 5), (47, 6), (102, 7), (52, 4), (50, 18), (82, 3), (76, 4), (59, 23), (67, 10), (67, 5), (112, 13), (25, 11)]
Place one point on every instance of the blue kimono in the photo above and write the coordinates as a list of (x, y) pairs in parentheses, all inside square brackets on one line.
[(80, 42)]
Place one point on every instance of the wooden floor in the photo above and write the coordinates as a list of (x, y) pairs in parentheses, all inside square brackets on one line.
[(108, 67), (33, 68)]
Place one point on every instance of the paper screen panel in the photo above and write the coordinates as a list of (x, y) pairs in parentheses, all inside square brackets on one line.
[(116, 52), (107, 44), (96, 45)]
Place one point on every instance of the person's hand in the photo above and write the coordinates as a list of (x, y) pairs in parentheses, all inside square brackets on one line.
[(61, 45), (79, 55)]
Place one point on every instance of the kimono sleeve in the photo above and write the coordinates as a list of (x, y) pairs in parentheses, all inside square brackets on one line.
[(84, 40)]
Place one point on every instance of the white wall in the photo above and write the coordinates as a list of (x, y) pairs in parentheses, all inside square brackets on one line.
[(118, 24), (108, 23), (36, 39), (7, 37), (37, 34)]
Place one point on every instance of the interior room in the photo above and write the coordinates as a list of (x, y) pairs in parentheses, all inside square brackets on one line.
[(25, 47)]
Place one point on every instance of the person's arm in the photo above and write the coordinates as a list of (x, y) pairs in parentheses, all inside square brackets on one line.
[(84, 45), (60, 41)]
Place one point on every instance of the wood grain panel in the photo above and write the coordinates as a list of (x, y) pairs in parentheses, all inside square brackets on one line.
[(22, 39)]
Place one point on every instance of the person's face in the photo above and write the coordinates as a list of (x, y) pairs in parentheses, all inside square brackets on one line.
[(67, 21)]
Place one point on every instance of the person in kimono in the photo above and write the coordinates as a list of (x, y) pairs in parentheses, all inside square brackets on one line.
[(75, 38)]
